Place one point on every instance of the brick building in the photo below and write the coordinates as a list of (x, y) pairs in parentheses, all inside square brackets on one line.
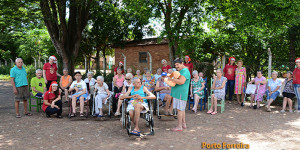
[(137, 57)]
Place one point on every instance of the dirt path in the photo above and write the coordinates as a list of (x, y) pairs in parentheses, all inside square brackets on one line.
[(260, 129)]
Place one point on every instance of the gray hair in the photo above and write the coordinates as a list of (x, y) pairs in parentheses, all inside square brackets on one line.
[(148, 71), (195, 72), (138, 70), (90, 73), (129, 69), (290, 72), (38, 70), (134, 79), (129, 75), (159, 69), (275, 72), (162, 61), (171, 70), (100, 78), (18, 59), (219, 70), (65, 69)]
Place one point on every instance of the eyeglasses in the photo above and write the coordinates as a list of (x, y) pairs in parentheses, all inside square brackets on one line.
[(127, 79)]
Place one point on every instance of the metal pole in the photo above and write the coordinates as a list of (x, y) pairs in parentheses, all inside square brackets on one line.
[(124, 62), (34, 63), (270, 63), (5, 62), (85, 64), (11, 62), (150, 62), (223, 61)]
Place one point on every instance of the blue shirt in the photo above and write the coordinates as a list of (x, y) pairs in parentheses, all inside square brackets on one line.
[(274, 84), (19, 75), (139, 92)]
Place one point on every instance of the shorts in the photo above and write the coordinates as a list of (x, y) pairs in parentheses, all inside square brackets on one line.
[(162, 96), (62, 91), (84, 95), (23, 93), (179, 104), (288, 95), (130, 107), (273, 96)]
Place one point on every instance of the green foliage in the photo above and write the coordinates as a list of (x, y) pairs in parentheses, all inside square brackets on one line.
[(30, 72), (5, 70), (4, 77)]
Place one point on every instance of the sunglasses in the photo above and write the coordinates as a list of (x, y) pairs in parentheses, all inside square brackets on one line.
[(127, 79)]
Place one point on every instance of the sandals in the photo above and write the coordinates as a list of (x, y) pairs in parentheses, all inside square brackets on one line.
[(209, 112), (184, 126), (136, 133), (177, 130), (28, 114), (99, 116), (81, 115), (73, 115), (213, 113), (18, 116)]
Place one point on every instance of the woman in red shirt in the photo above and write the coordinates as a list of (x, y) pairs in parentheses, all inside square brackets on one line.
[(50, 71), (296, 81), (121, 65), (52, 101), (229, 73), (189, 64), (165, 67)]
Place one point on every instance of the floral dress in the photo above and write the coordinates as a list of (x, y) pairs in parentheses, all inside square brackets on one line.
[(220, 93), (196, 86), (149, 83), (239, 80)]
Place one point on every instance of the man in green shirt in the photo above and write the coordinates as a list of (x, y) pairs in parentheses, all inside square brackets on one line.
[(180, 93), (38, 85)]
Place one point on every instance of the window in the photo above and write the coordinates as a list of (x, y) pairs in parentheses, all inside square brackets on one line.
[(143, 57)]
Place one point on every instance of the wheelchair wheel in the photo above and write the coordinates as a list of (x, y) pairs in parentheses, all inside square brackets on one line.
[(151, 126), (128, 126)]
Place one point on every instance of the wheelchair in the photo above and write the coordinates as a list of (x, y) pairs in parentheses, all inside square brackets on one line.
[(109, 101), (146, 115), (86, 105), (157, 105)]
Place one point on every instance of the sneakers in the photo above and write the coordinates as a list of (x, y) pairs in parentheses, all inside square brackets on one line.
[(291, 111), (117, 114), (282, 111)]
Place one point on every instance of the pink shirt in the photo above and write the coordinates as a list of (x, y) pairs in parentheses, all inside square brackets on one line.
[(119, 81), (262, 88)]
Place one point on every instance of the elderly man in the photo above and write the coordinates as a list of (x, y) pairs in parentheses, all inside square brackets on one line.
[(273, 87), (81, 94), (38, 85), (165, 93), (19, 83), (138, 102)]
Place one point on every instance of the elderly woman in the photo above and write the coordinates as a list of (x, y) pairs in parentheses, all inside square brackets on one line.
[(219, 91), (240, 80), (197, 89), (273, 87), (165, 67), (296, 81), (129, 70), (138, 74), (170, 71), (90, 82), (52, 101), (102, 94), (288, 92), (149, 81), (158, 74), (260, 82), (165, 93), (50, 71), (127, 84)]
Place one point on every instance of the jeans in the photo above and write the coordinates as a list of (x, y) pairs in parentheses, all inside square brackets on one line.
[(49, 111), (297, 93), (273, 95), (229, 86)]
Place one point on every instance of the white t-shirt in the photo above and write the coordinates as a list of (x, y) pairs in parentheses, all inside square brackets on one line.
[(126, 84), (91, 82), (81, 85), (102, 89)]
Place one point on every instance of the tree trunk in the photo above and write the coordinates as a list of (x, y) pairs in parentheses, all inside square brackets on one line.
[(292, 45), (104, 64), (97, 59)]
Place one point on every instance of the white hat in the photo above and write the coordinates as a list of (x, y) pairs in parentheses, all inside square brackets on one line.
[(54, 58)]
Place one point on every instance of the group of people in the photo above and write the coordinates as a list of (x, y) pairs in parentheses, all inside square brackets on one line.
[(191, 83), (236, 83)]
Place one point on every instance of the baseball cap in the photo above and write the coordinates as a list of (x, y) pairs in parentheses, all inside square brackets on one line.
[(164, 74)]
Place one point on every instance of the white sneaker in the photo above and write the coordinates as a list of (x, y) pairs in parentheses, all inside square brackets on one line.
[(282, 111), (117, 114)]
